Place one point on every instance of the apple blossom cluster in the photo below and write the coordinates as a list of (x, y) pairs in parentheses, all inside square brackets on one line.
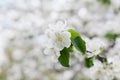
[(62, 40), (58, 38), (37, 44)]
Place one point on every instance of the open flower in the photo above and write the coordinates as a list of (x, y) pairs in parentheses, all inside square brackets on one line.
[(61, 40), (58, 36)]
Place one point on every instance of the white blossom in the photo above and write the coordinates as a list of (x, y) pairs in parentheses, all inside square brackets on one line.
[(62, 40), (58, 37), (95, 46)]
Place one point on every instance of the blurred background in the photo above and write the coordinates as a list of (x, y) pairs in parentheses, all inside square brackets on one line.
[(23, 23)]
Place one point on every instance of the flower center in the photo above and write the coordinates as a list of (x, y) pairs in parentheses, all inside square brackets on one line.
[(59, 38)]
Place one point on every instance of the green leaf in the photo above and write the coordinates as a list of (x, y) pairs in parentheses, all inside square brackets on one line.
[(64, 57), (77, 41), (107, 2), (70, 49), (79, 44), (111, 36), (74, 34), (89, 62)]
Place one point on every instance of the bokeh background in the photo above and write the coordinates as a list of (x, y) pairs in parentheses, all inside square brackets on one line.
[(22, 26)]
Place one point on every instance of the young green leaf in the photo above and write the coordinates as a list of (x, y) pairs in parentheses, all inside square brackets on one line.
[(111, 36), (77, 41), (89, 62), (107, 2), (70, 49), (64, 57)]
